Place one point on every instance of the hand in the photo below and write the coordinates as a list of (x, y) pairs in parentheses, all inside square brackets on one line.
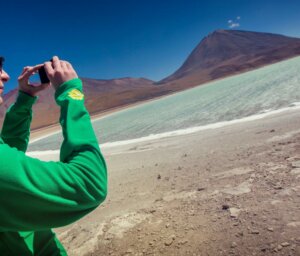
[(59, 71), (24, 84)]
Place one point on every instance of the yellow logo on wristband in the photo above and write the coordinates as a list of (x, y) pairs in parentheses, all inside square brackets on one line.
[(76, 94)]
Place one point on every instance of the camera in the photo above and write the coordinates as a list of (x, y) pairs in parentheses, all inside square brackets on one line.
[(43, 75)]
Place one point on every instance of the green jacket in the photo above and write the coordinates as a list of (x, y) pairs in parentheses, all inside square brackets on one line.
[(35, 195)]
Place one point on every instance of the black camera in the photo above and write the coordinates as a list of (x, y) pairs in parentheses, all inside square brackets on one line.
[(43, 75)]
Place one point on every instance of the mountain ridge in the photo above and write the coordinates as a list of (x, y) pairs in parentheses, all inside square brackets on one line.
[(223, 45)]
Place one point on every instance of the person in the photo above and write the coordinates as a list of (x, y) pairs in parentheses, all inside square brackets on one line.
[(36, 196)]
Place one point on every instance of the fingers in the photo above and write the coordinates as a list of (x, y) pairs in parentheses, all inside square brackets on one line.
[(58, 72), (37, 67), (28, 71), (48, 68), (63, 64), (56, 62), (69, 65), (66, 65), (25, 69)]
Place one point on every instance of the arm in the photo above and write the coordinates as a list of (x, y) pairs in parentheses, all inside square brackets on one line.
[(16, 126), (37, 195)]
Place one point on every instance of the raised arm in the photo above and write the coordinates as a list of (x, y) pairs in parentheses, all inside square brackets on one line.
[(16, 126), (37, 195)]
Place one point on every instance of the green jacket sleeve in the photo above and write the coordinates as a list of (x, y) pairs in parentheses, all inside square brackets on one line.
[(16, 126), (38, 195)]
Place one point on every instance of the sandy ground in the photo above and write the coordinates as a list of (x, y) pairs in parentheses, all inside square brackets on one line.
[(228, 191)]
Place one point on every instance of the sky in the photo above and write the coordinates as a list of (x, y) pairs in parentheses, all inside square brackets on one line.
[(106, 39)]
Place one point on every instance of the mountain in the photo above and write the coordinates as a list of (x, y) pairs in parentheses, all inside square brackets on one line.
[(228, 52), (220, 54)]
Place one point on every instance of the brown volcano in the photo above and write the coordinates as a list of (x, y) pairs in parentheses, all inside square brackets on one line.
[(227, 52)]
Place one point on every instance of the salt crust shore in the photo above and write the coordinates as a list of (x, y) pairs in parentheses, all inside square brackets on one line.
[(233, 190)]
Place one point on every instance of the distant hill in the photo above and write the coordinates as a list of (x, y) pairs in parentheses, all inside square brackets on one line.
[(220, 54), (228, 52)]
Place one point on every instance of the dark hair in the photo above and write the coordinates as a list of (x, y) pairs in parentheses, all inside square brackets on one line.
[(1, 61)]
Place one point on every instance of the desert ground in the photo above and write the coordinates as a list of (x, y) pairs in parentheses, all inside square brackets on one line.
[(233, 190)]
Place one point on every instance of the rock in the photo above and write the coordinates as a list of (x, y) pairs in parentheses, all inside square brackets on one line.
[(234, 212), (295, 171), (169, 242), (296, 164), (225, 207), (243, 188), (294, 224), (263, 249), (274, 202), (270, 229), (279, 248), (285, 244), (167, 225), (272, 130), (278, 186), (200, 189), (129, 251), (255, 232), (158, 176), (181, 242), (233, 245), (241, 233), (159, 199)]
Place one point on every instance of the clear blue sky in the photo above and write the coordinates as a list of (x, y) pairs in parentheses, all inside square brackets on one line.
[(128, 38)]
